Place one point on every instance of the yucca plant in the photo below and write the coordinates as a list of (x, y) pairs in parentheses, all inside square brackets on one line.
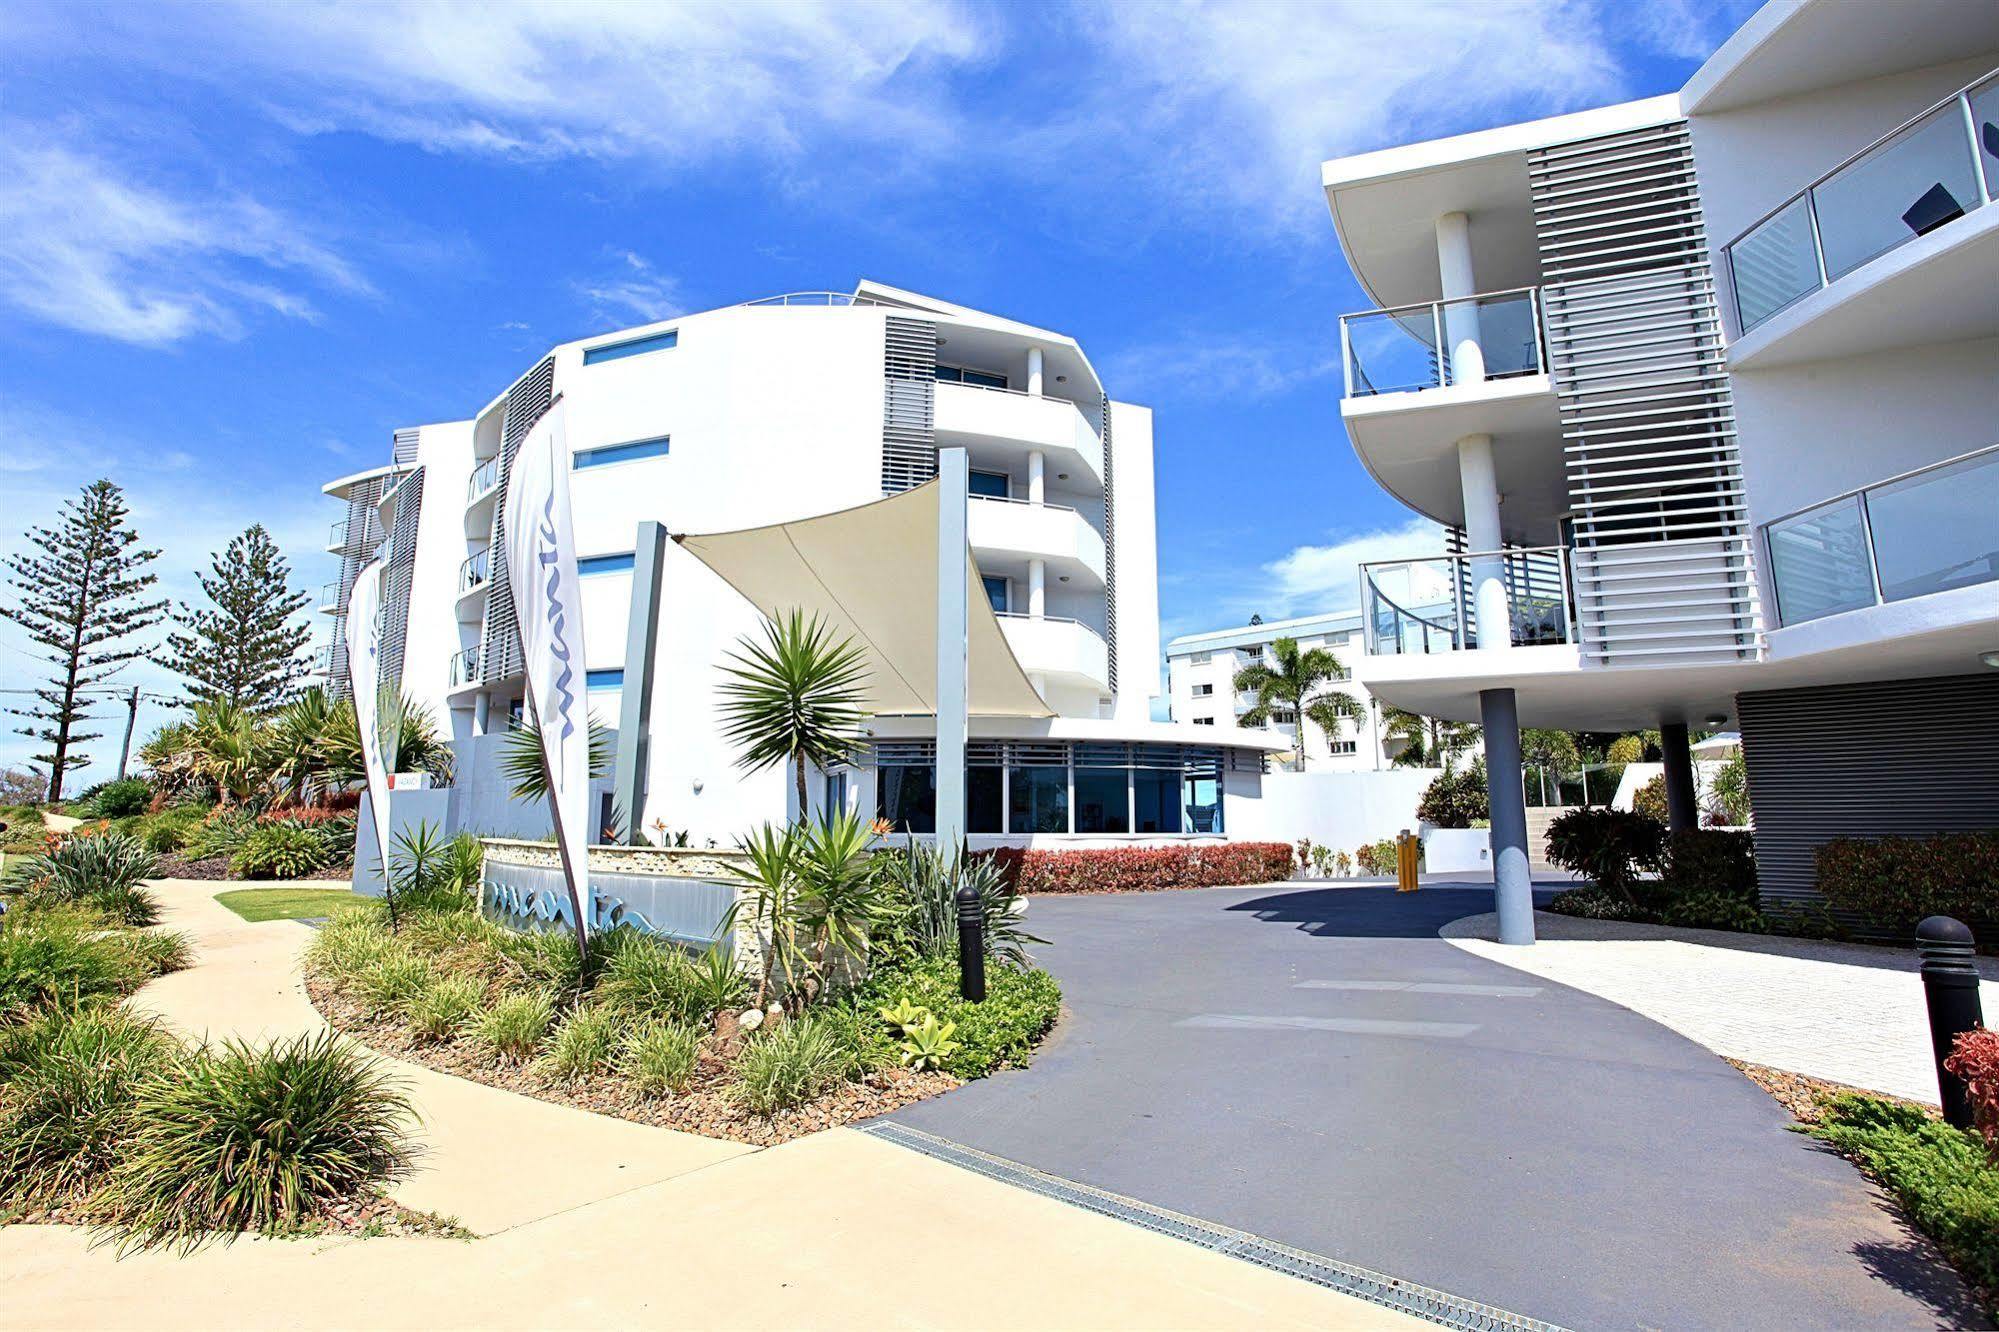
[(515, 1026), (799, 1061), (411, 742), (768, 904), (257, 1139), (718, 982), (840, 898), (69, 1098), (583, 1044), (443, 1008), (660, 1057), (799, 696)]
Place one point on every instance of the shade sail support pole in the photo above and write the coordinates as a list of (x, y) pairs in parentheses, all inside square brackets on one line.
[(953, 490)]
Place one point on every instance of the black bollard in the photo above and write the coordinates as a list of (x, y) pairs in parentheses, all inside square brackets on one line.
[(1950, 989), (971, 945)]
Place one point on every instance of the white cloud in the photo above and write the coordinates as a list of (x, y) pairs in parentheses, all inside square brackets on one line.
[(1325, 578), (1215, 367), (88, 246), (631, 292)]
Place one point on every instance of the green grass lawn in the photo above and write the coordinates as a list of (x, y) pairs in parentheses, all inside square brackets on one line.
[(256, 904)]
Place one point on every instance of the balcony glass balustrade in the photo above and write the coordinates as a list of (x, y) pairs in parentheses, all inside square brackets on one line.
[(1406, 349), (1427, 605), (329, 597), (475, 571), (336, 539), (482, 481), (465, 668), (1930, 171), (1928, 531)]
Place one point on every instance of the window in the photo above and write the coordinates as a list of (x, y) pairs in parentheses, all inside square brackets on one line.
[(906, 799), (983, 794), (1204, 721), (1155, 800), (1283, 716), (1343, 747), (617, 453), (1039, 799), (1102, 800), (603, 564), (996, 592), (604, 679), (1253, 653), (958, 374), (1201, 797), (993, 485), (836, 795), (1203, 690), (1199, 658), (613, 351)]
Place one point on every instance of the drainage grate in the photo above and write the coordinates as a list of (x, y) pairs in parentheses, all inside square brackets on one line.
[(1419, 1301)]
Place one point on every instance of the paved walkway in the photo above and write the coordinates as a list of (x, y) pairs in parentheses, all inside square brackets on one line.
[(593, 1222), (1314, 1065), (1852, 1013)]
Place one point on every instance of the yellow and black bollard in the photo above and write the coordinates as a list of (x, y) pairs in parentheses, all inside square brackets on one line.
[(1408, 853)]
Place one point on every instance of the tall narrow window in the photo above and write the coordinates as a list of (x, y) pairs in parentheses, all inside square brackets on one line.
[(613, 351), (996, 592)]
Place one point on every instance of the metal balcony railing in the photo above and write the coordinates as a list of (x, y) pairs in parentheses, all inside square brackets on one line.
[(336, 539), (817, 298), (1412, 347), (464, 667), (1429, 605), (484, 480), (475, 571), (329, 597), (323, 659), (1050, 619), (1014, 499), (1925, 531), (1925, 173)]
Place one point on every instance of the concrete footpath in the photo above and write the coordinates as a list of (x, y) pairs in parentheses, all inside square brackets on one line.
[(589, 1220)]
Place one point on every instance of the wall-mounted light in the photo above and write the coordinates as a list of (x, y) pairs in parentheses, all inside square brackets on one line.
[(698, 784), (1990, 658), (1061, 578), (942, 341), (1061, 379), (1716, 719), (1061, 476)]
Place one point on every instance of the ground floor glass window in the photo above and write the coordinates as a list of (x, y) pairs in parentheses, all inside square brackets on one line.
[(1101, 800), (906, 799), (1040, 800)]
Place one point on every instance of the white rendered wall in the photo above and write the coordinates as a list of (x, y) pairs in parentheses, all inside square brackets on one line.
[(1342, 810), (1219, 670), (1137, 563)]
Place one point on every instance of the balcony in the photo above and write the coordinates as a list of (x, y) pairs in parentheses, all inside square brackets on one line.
[(1403, 350), (1902, 192), (330, 599), (464, 669), (475, 572), (1007, 531), (1427, 606), (336, 540), (1928, 531), (1064, 650), (481, 490), (1007, 425), (323, 659)]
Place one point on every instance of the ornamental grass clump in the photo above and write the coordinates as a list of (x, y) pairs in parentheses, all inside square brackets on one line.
[(647, 979), (68, 1105), (255, 1139), (583, 1045), (660, 1057), (802, 1059), (63, 956), (442, 1009), (515, 1026), (397, 977), (102, 871), (348, 946)]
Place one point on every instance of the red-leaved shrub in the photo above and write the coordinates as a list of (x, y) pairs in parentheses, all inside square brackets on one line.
[(1141, 869), (303, 815), (1975, 1058), (1893, 882)]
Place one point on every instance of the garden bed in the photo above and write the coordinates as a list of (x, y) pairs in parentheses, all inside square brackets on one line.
[(215, 868)]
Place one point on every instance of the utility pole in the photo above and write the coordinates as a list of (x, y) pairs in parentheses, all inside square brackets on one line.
[(131, 720)]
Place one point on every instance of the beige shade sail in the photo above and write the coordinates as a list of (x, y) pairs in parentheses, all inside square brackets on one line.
[(870, 573)]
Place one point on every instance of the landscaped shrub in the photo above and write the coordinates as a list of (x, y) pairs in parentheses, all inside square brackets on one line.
[(1456, 799), (169, 830), (1711, 910), (279, 851), (221, 834), (645, 978), (101, 871), (1376, 857), (1594, 903), (1893, 882), (660, 1057), (1707, 860), (1728, 792), (1608, 846), (443, 1007), (348, 946), (1650, 799), (1941, 1175), (256, 1139), (68, 1104), (1147, 869), (62, 956), (799, 1061), (515, 1026), (1019, 1008), (397, 977), (1975, 1058), (583, 1044), (115, 800)]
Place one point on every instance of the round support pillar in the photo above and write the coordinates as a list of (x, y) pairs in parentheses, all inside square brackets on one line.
[(1512, 878), (1682, 800)]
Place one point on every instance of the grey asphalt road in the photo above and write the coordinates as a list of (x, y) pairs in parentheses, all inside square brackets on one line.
[(1312, 1064)]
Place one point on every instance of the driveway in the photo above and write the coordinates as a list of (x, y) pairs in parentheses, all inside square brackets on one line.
[(1316, 1066)]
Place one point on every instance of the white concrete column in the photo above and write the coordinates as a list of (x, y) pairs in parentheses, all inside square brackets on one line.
[(482, 712), (953, 490), (1480, 486), (1037, 477), (1034, 371), (1454, 269), (1037, 588)]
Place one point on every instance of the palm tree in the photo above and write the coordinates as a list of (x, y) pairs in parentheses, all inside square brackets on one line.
[(1428, 739), (411, 742), (230, 749), (521, 761), (1293, 686), (297, 735), (798, 696)]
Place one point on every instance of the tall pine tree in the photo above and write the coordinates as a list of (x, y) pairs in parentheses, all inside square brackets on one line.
[(80, 596), (244, 649)]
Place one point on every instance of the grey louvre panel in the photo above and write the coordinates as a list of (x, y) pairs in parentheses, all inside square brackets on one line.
[(1248, 760), (406, 447), (985, 754), (1096, 755), (1110, 544), (1899, 758), (1038, 754), (909, 404), (364, 535), (1662, 541), (500, 644), (904, 753), (397, 579)]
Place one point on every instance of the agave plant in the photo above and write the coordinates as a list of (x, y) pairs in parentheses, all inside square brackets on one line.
[(797, 697)]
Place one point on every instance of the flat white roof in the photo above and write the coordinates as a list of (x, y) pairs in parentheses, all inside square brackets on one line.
[(1340, 622)]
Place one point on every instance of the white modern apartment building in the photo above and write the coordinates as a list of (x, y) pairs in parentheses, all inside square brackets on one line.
[(1707, 388), (1201, 670), (771, 413)]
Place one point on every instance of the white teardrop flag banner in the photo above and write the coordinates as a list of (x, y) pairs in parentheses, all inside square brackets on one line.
[(364, 673), (541, 570)]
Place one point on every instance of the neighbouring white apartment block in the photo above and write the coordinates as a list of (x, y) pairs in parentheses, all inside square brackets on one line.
[(772, 412), (1706, 387), (1201, 670)]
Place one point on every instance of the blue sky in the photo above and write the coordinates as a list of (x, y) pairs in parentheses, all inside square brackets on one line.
[(241, 244)]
